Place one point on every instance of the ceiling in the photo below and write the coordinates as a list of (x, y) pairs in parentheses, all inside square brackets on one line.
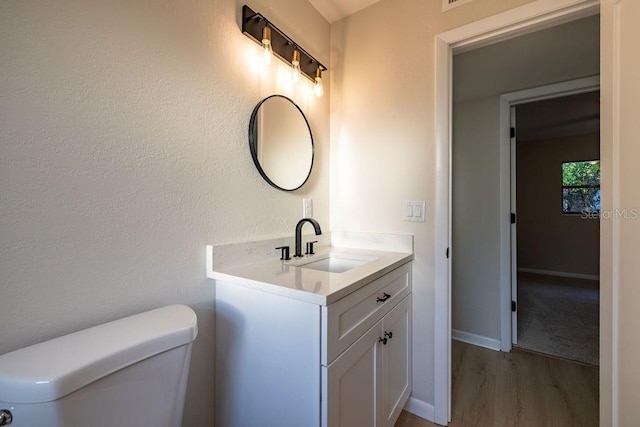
[(334, 10), (559, 117), (560, 53)]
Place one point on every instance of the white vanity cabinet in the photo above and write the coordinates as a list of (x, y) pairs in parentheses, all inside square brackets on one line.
[(282, 361), (369, 384)]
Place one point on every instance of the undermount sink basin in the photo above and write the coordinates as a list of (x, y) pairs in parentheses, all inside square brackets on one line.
[(335, 263)]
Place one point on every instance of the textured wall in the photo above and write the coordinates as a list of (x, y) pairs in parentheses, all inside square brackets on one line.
[(123, 151), (547, 239)]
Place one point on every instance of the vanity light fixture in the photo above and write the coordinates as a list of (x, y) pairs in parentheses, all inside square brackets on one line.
[(267, 53), (317, 87), (275, 42)]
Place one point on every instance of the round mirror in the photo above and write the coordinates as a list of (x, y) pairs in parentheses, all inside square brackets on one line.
[(281, 143)]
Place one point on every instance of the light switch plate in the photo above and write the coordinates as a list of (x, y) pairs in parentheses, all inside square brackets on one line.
[(307, 208), (414, 210)]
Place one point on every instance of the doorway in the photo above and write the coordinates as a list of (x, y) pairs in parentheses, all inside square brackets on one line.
[(532, 17), (555, 201)]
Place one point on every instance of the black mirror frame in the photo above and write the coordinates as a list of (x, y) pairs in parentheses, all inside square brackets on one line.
[(253, 143)]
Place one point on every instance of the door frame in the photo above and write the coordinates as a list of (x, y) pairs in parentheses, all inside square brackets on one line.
[(505, 344), (508, 274), (531, 17)]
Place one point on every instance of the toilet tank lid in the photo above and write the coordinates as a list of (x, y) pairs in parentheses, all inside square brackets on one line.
[(52, 369)]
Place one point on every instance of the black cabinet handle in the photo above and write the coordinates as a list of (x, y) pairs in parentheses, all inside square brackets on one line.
[(383, 341), (388, 334), (385, 296)]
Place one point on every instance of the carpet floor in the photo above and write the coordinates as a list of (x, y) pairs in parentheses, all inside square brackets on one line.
[(559, 316)]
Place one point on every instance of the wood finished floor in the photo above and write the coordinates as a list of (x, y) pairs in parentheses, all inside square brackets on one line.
[(494, 389)]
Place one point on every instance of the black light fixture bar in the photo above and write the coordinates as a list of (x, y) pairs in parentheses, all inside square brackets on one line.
[(283, 46)]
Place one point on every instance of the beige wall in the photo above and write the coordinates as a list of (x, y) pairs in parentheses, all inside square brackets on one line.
[(124, 151), (547, 239)]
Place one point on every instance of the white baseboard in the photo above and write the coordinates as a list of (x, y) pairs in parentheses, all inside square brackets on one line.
[(479, 340), (420, 408), (559, 273)]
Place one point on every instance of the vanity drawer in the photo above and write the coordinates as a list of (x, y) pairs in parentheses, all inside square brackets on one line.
[(346, 320)]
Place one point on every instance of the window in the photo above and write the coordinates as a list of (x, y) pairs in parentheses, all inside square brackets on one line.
[(581, 187)]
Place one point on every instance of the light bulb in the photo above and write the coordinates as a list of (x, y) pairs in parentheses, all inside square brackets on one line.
[(267, 52), (319, 90), (295, 66)]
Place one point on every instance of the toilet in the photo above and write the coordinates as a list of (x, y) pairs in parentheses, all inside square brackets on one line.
[(129, 372)]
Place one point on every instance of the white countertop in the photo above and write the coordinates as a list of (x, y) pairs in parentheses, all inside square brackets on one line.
[(305, 284)]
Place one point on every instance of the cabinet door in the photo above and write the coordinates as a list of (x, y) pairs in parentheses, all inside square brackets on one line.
[(345, 320), (350, 384), (396, 362)]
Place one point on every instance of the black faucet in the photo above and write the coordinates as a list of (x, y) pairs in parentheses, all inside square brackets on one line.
[(316, 228)]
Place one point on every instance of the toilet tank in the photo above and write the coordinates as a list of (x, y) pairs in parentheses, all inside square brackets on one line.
[(129, 372)]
